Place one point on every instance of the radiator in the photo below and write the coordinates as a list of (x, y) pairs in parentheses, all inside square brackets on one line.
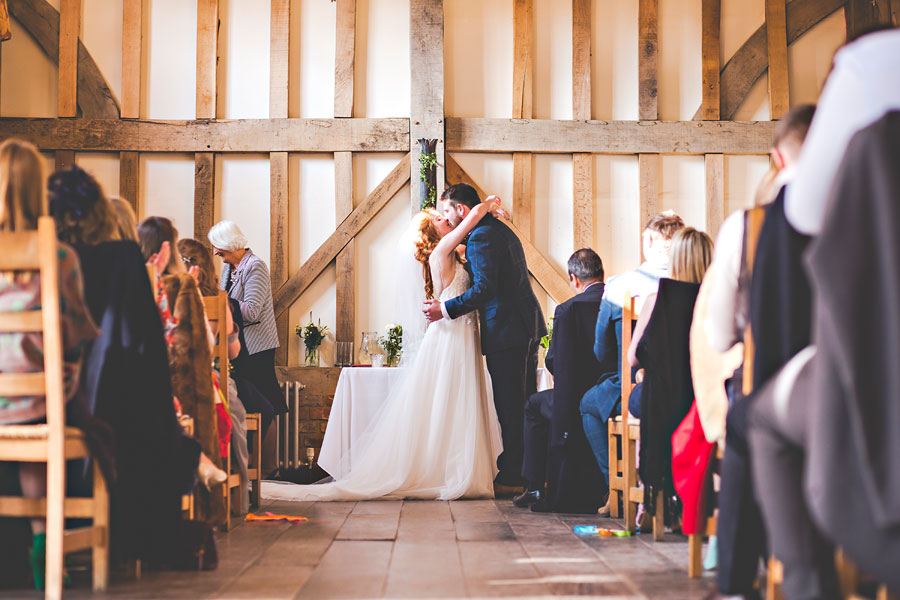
[(287, 428)]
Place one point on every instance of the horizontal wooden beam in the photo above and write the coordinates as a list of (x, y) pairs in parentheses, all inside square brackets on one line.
[(609, 137), (288, 293), (241, 135)]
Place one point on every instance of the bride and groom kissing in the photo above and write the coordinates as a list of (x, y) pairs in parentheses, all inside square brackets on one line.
[(438, 434)]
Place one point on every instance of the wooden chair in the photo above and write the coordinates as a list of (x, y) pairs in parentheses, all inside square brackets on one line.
[(52, 443), (695, 540), (623, 477), (216, 307)]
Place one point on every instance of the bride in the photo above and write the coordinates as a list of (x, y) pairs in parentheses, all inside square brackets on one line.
[(437, 435)]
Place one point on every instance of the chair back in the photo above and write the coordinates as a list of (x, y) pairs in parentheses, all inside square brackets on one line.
[(755, 219), (215, 307), (629, 315)]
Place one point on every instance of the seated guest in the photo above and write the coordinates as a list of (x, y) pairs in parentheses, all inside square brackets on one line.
[(21, 203), (126, 380), (190, 363), (824, 428), (556, 450), (601, 401), (126, 221), (661, 347), (741, 540)]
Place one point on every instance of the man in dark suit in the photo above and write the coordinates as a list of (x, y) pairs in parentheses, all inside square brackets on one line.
[(511, 320), (556, 449)]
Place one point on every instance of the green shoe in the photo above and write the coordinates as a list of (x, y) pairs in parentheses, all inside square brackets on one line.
[(38, 559)]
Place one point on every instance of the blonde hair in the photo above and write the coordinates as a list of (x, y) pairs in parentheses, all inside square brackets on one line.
[(690, 255), (22, 195), (126, 221)]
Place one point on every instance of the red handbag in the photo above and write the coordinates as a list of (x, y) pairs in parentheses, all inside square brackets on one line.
[(691, 454)]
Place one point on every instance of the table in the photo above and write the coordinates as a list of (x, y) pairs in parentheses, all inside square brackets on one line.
[(359, 394)]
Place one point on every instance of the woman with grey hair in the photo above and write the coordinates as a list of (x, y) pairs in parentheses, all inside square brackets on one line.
[(246, 279)]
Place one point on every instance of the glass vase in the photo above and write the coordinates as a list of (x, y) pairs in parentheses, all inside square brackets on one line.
[(312, 357)]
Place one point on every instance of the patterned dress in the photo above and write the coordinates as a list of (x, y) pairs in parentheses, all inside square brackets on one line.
[(24, 352)]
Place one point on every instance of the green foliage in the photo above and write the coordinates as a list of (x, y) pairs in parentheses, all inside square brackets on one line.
[(545, 341), (392, 342), (311, 333), (428, 161)]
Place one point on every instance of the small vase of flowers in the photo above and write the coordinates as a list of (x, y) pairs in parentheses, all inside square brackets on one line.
[(545, 340), (392, 343), (312, 335)]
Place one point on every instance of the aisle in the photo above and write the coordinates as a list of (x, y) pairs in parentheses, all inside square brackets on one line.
[(461, 549)]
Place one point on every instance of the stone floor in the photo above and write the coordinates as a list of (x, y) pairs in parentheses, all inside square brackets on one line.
[(462, 549)]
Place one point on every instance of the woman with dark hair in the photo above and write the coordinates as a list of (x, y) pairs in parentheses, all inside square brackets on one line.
[(81, 210)]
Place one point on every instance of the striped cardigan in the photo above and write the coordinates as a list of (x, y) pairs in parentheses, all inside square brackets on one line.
[(252, 288)]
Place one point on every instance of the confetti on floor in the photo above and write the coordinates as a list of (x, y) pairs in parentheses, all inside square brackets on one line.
[(594, 530), (273, 517)]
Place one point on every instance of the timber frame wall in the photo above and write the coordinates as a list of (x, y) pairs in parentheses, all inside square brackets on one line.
[(105, 125)]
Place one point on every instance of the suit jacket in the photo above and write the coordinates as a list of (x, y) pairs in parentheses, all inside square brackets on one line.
[(575, 482), (501, 289)]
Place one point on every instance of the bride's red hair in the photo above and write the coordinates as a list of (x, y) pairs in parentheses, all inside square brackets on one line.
[(426, 239)]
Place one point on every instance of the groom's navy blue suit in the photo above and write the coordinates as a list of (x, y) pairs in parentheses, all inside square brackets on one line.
[(511, 326)]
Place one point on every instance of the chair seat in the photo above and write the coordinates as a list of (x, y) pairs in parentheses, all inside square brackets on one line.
[(633, 424), (29, 443)]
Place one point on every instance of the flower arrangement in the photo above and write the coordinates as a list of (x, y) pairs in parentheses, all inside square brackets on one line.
[(392, 343), (545, 340), (312, 335)]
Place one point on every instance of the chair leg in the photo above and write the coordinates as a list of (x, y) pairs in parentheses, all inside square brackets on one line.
[(226, 489), (56, 498), (695, 555), (659, 518), (100, 549), (774, 577), (884, 594), (256, 459)]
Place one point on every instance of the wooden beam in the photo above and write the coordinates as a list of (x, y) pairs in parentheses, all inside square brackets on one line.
[(207, 28), (711, 13), (132, 27), (278, 58), (241, 135), (346, 283), (648, 174), (895, 13), (204, 194), (426, 34), (581, 60), (648, 59), (64, 159), (523, 59), (129, 180), (522, 193), (715, 193), (344, 57), (776, 38), (69, 27), (608, 137), (748, 64), (583, 175), (862, 15), (288, 293), (549, 278), (41, 20), (279, 234)]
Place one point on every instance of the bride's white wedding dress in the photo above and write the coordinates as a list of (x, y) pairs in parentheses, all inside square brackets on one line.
[(437, 434)]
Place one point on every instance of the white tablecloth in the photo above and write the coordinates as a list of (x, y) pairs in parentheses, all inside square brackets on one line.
[(359, 394)]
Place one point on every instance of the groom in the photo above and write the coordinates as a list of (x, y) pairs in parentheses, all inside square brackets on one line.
[(511, 321)]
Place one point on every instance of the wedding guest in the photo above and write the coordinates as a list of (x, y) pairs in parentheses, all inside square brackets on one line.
[(556, 450), (741, 538), (81, 210), (22, 201), (126, 221), (601, 402), (661, 345), (246, 279)]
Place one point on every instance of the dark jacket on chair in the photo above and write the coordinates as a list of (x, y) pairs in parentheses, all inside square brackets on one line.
[(501, 289), (574, 480)]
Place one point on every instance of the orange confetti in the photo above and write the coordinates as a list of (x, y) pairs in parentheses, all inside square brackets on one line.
[(272, 517)]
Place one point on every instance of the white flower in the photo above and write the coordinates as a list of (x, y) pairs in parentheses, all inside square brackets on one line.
[(389, 326)]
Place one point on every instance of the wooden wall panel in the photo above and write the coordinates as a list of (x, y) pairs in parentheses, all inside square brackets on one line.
[(132, 26), (69, 28), (204, 194), (344, 58), (426, 36), (648, 59), (279, 85), (715, 193), (129, 181), (648, 174), (345, 261), (207, 27), (776, 43), (711, 11)]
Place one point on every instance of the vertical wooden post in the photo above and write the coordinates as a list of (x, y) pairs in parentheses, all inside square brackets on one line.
[(426, 35), (582, 163), (776, 36), (205, 162), (69, 27), (715, 193), (648, 59), (278, 165), (861, 15), (204, 194), (523, 99), (129, 162), (711, 25), (648, 173), (344, 60)]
